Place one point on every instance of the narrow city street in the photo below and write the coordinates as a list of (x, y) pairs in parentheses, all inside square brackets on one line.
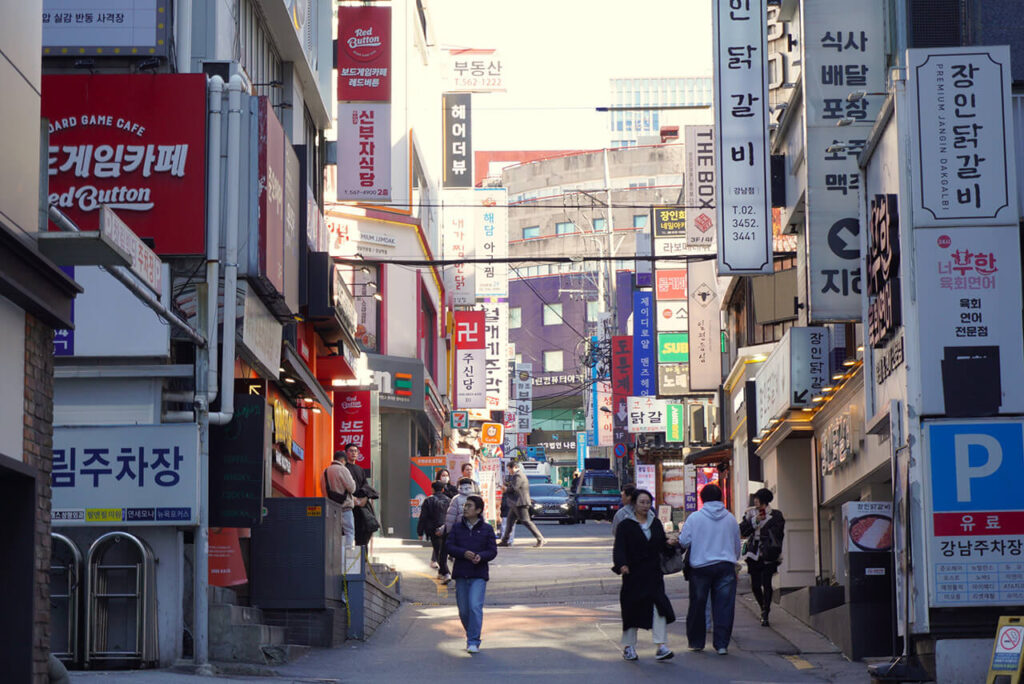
[(551, 613)]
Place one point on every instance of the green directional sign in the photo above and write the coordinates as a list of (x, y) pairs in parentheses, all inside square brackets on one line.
[(674, 426)]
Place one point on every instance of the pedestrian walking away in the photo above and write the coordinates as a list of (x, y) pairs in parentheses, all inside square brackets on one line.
[(431, 525), (764, 528), (518, 491), (457, 505), (339, 487), (627, 507), (713, 537), (507, 530), (640, 541), (471, 544)]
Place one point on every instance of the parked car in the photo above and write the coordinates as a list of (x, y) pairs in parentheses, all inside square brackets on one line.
[(597, 496), (539, 479), (550, 502)]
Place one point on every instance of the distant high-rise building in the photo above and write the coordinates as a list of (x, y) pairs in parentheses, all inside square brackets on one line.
[(631, 127)]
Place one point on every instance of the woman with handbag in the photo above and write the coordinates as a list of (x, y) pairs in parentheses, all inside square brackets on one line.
[(640, 545), (764, 528)]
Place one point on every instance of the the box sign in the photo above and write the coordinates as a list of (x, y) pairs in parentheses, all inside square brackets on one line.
[(126, 475), (793, 374), (973, 512), (135, 143), (963, 146), (741, 124), (884, 304), (969, 302), (114, 28), (670, 284), (364, 152), (364, 53), (457, 140), (646, 414), (673, 347), (644, 371), (699, 191)]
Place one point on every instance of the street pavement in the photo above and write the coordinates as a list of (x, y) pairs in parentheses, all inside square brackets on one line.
[(551, 613)]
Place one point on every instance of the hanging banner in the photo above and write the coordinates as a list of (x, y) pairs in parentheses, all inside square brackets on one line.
[(675, 422), (705, 327), (364, 53), (491, 223), (496, 348), (622, 384), (835, 64), (964, 160), (364, 151), (459, 243), (643, 344), (646, 414), (523, 395), (741, 124), (352, 420), (969, 302), (605, 414), (699, 189), (457, 140), (470, 360)]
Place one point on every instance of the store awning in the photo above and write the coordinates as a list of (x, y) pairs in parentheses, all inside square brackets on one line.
[(712, 454), (295, 366)]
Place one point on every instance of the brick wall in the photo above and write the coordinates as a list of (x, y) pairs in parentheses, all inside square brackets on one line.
[(38, 445)]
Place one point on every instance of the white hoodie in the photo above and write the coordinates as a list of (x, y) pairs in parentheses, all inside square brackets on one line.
[(712, 534)]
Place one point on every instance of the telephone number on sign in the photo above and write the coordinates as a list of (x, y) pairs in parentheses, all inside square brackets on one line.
[(741, 235), (743, 223)]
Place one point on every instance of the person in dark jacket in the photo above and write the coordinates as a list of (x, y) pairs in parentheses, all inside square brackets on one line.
[(471, 544), (431, 525), (763, 527), (640, 541), (352, 463), (518, 493), (445, 478)]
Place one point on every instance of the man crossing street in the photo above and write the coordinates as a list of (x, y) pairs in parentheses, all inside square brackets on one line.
[(518, 491)]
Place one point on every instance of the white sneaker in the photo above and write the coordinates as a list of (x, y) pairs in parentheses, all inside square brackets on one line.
[(629, 653), (664, 653), (433, 564), (473, 648), (722, 651)]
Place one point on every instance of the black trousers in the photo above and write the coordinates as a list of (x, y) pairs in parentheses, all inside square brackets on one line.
[(522, 513), (440, 553), (761, 583)]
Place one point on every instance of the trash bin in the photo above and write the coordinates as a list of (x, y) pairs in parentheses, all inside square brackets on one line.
[(65, 599), (121, 608)]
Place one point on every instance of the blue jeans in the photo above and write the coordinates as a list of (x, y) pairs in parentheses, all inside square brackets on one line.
[(469, 595), (348, 526), (719, 581)]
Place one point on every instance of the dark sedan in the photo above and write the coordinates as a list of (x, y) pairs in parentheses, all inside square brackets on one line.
[(550, 502)]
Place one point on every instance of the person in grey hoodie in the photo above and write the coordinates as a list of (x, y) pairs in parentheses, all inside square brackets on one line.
[(713, 537)]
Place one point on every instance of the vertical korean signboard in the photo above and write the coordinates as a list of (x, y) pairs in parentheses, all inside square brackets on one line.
[(364, 109), (457, 140), (496, 353), (644, 371), (459, 243), (838, 62), (622, 384), (523, 388), (699, 191), (491, 220), (470, 360), (962, 154), (974, 519), (741, 125), (704, 327), (352, 417)]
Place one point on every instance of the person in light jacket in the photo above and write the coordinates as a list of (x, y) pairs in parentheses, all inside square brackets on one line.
[(471, 543), (457, 505), (713, 537), (764, 527)]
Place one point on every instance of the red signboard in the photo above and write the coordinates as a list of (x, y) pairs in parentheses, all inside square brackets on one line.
[(470, 329), (136, 143), (622, 386), (671, 284), (271, 180), (364, 53), (352, 423)]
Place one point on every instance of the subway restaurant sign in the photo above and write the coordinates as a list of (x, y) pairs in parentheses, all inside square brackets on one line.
[(673, 347)]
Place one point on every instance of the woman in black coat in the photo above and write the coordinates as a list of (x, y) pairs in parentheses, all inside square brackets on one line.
[(639, 543), (764, 527), (444, 477)]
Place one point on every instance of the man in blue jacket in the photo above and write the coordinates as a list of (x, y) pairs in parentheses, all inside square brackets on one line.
[(471, 544), (713, 537)]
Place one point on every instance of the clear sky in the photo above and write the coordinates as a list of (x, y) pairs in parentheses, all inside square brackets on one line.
[(559, 55)]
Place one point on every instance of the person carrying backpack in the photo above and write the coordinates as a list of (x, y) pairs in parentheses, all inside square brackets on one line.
[(764, 528)]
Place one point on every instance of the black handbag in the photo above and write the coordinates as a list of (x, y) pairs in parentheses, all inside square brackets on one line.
[(366, 524), (672, 560)]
